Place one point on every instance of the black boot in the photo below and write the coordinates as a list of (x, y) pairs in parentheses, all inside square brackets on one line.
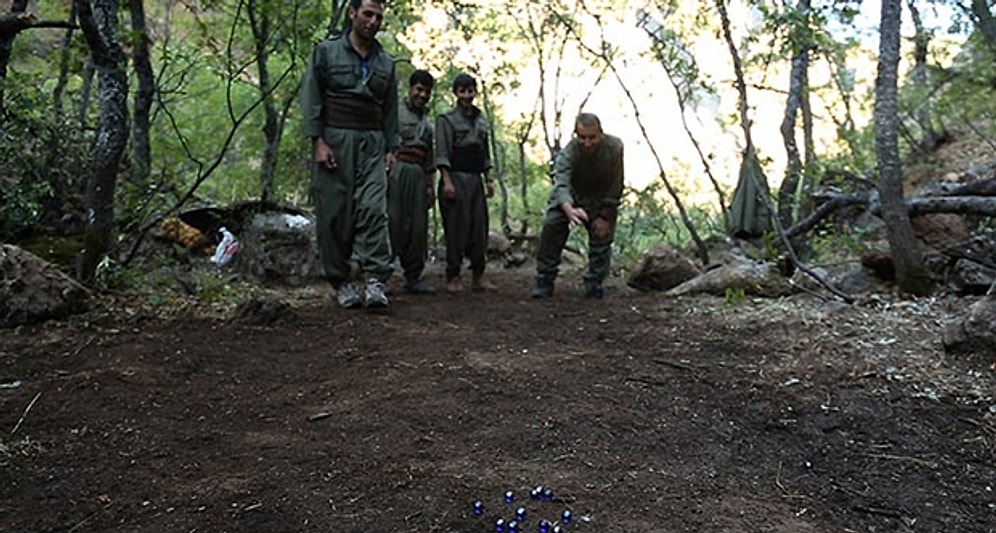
[(593, 290), (543, 287)]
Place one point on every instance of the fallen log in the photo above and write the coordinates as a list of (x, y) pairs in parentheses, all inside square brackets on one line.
[(916, 206), (983, 187), (962, 205)]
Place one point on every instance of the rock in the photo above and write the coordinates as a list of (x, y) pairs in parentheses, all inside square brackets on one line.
[(937, 230), (880, 263), (498, 243), (859, 281), (32, 290), (805, 281), (516, 259), (279, 247), (975, 333), (970, 277), (662, 268), (937, 265), (754, 279), (979, 248)]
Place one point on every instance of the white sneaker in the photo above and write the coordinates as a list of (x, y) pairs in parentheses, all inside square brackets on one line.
[(375, 294), (347, 297)]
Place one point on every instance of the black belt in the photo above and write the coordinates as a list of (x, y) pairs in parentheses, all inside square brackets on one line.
[(353, 113)]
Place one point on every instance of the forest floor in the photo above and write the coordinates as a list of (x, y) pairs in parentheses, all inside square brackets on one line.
[(640, 413)]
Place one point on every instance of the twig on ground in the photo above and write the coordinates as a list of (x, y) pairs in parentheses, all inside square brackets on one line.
[(646, 381), (675, 364), (891, 513), (83, 522), (25, 413), (890, 457), (778, 479)]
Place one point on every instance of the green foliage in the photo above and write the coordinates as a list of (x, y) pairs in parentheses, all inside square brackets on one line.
[(734, 297), (168, 282), (21, 201), (830, 245), (968, 89), (42, 162)]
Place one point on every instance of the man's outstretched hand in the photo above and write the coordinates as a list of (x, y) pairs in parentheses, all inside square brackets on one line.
[(575, 215)]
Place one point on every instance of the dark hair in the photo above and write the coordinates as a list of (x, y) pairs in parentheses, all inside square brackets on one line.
[(421, 77), (464, 80), (347, 25), (589, 119)]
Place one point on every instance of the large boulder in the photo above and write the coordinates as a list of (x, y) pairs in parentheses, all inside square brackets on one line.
[(279, 248), (662, 268), (32, 290), (974, 333)]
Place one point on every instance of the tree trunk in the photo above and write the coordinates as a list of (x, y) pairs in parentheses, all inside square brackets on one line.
[(808, 136), (809, 180), (521, 139), (99, 23), (6, 46), (985, 21), (144, 96), (60, 85), (89, 69), (497, 160), (789, 190), (911, 276), (921, 41), (259, 20)]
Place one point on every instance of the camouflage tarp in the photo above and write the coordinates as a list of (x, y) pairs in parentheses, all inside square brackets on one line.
[(749, 213)]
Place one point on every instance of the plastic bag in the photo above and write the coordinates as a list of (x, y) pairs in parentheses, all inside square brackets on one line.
[(226, 249)]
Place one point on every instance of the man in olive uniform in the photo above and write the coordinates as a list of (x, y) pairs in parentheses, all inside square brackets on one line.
[(349, 101), (587, 186), (410, 192), (464, 162)]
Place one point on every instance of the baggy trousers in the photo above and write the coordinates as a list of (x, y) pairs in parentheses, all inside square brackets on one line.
[(351, 206), (408, 213), (554, 235), (465, 223)]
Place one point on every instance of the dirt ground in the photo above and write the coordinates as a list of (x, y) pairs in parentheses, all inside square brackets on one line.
[(641, 413)]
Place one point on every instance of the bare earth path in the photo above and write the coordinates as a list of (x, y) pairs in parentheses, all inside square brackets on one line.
[(643, 414)]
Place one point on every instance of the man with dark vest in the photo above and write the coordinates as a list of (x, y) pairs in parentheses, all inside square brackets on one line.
[(464, 162), (349, 101), (410, 191), (587, 187)]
